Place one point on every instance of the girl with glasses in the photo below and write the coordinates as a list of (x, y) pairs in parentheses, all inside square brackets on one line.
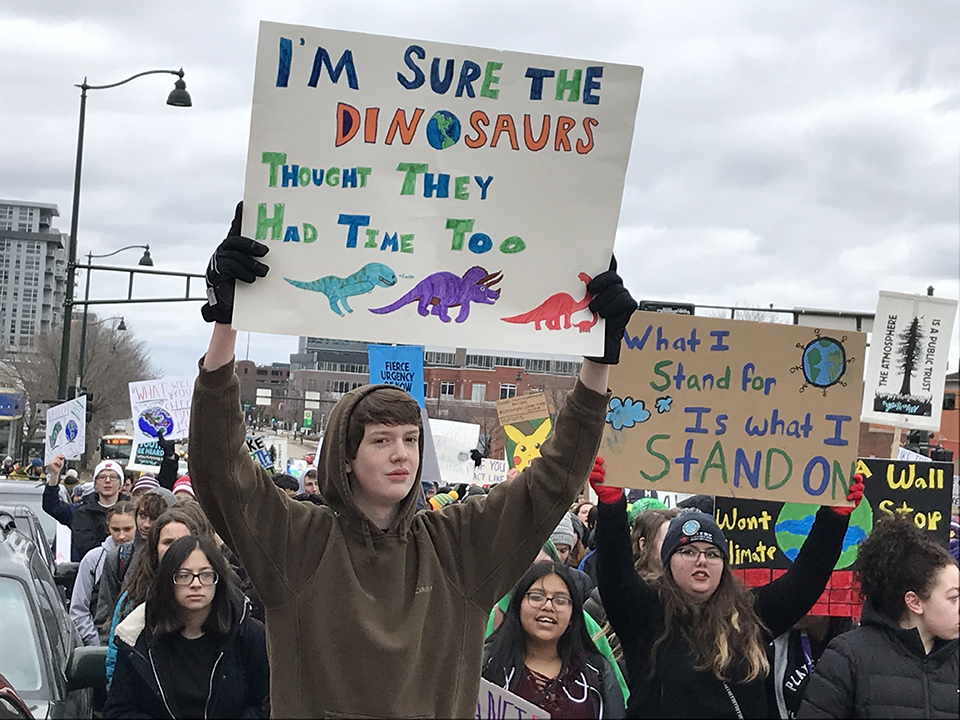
[(196, 651), (543, 652)]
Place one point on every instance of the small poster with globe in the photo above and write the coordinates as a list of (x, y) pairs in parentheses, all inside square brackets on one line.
[(66, 430), (161, 405), (423, 193)]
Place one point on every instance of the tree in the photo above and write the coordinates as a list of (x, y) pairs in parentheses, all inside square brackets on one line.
[(112, 359), (908, 352)]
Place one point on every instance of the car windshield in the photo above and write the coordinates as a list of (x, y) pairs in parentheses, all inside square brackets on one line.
[(34, 501), (19, 661)]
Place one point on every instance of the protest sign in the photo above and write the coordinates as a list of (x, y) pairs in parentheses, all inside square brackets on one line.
[(257, 447), (453, 442), (526, 424), (496, 703), (490, 472), (66, 430), (910, 455), (765, 534), (145, 456), (427, 193), (400, 365), (522, 407), (908, 361), (734, 408), (162, 404)]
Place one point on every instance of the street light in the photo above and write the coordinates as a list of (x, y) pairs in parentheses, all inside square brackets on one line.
[(178, 97)]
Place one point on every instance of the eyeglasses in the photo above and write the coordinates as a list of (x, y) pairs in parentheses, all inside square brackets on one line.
[(207, 577), (538, 600), (691, 554), (108, 476)]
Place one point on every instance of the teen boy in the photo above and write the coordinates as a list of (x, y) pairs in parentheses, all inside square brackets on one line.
[(370, 603)]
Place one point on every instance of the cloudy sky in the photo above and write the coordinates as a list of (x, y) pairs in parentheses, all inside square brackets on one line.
[(787, 153)]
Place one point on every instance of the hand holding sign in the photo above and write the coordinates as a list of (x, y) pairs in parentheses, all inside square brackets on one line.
[(613, 302), (234, 259), (855, 496), (606, 494)]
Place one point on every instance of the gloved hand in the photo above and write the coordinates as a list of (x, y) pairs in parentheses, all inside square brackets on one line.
[(606, 495), (855, 495), (613, 302), (169, 447), (234, 259)]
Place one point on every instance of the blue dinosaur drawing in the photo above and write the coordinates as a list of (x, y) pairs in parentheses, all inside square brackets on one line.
[(440, 291), (338, 289)]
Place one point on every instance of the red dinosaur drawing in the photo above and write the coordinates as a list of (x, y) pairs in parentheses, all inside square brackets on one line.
[(557, 308)]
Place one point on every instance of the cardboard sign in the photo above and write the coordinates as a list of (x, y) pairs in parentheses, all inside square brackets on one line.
[(495, 703), (526, 424), (66, 430), (400, 365), (257, 447), (764, 534), (490, 472), (734, 408), (427, 193), (453, 442), (522, 407), (161, 404)]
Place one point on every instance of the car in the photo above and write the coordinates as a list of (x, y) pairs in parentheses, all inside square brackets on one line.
[(11, 704), (29, 493), (40, 654), (309, 458)]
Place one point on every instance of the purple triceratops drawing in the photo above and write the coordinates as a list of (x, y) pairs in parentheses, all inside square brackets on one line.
[(444, 290)]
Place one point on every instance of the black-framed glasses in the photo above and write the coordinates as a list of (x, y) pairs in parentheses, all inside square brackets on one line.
[(207, 577), (692, 554), (538, 600)]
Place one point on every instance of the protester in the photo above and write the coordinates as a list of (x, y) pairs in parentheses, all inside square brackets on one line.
[(35, 469), (89, 520), (564, 538), (582, 511), (694, 639), (903, 659), (193, 650), (127, 486), (310, 484), (385, 575), (649, 530), (146, 482), (287, 483), (121, 526), (543, 653), (183, 488)]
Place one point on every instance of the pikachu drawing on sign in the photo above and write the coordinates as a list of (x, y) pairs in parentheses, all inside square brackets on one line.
[(524, 440)]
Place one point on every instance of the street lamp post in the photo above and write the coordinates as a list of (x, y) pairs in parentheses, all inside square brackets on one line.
[(178, 97)]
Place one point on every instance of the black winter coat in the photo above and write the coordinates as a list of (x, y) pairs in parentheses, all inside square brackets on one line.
[(880, 670), (90, 523), (239, 680), (677, 688)]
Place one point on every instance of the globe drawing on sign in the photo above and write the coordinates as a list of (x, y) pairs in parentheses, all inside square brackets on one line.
[(823, 362), (795, 520), (443, 130), (154, 419), (71, 430)]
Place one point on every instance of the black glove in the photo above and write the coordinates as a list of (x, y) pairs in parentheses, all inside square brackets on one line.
[(234, 259), (613, 302), (169, 447)]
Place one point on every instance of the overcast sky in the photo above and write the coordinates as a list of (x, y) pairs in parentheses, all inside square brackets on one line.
[(786, 153)]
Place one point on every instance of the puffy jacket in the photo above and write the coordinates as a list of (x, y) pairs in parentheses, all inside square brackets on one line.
[(90, 523), (881, 670), (239, 679)]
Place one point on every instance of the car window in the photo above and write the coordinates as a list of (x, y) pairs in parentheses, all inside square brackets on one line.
[(34, 501), (19, 659), (54, 615)]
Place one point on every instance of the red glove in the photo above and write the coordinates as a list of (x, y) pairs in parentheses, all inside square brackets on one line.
[(606, 495), (855, 494)]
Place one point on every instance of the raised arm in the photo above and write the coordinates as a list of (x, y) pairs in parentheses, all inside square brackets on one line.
[(51, 502)]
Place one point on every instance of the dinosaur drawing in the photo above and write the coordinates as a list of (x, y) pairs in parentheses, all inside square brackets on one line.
[(527, 447), (557, 309), (439, 292), (55, 433), (338, 289)]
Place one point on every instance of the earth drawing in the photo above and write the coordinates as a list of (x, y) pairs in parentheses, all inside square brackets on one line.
[(443, 130), (795, 520), (824, 362), (71, 430), (155, 419)]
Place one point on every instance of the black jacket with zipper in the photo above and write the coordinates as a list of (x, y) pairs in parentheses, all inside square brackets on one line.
[(239, 678), (880, 670)]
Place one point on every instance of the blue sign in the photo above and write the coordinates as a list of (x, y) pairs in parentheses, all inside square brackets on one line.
[(11, 404), (400, 365)]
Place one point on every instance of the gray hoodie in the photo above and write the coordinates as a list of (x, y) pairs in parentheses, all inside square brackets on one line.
[(88, 576)]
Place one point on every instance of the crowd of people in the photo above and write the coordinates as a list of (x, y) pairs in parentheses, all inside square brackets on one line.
[(357, 590)]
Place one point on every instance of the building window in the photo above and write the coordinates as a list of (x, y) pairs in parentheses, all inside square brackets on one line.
[(950, 401), (438, 358), (478, 393), (447, 388), (507, 390)]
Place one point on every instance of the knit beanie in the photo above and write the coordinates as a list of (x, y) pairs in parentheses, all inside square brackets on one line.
[(689, 527), (642, 505), (183, 484), (564, 535), (108, 465), (147, 482)]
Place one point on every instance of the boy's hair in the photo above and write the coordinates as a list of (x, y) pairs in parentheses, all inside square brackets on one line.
[(385, 406), (123, 507), (151, 505)]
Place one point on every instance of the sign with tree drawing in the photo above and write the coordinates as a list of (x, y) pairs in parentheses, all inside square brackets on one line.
[(908, 360)]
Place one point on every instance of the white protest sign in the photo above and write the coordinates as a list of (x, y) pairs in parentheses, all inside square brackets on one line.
[(495, 703), (903, 382), (66, 430), (465, 205), (911, 456), (257, 447), (453, 442), (161, 404), (490, 472), (63, 544)]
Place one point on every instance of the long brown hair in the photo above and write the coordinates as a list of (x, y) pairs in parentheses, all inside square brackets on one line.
[(723, 631), (646, 525), (138, 581)]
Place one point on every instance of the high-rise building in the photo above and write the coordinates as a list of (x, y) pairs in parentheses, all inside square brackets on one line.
[(33, 272)]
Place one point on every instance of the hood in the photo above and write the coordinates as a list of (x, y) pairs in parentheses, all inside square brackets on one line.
[(132, 625), (335, 482), (108, 544), (909, 640)]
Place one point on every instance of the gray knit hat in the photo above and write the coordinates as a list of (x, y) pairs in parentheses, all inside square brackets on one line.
[(564, 535)]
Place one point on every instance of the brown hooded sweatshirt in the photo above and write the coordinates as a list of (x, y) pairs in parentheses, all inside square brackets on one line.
[(363, 622)]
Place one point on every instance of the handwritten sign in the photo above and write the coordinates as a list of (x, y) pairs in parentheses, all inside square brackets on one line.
[(161, 404), (908, 360), (66, 430), (490, 472), (526, 424), (257, 447), (734, 408), (420, 192), (765, 534), (522, 407), (495, 703), (145, 456), (400, 365), (452, 442)]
